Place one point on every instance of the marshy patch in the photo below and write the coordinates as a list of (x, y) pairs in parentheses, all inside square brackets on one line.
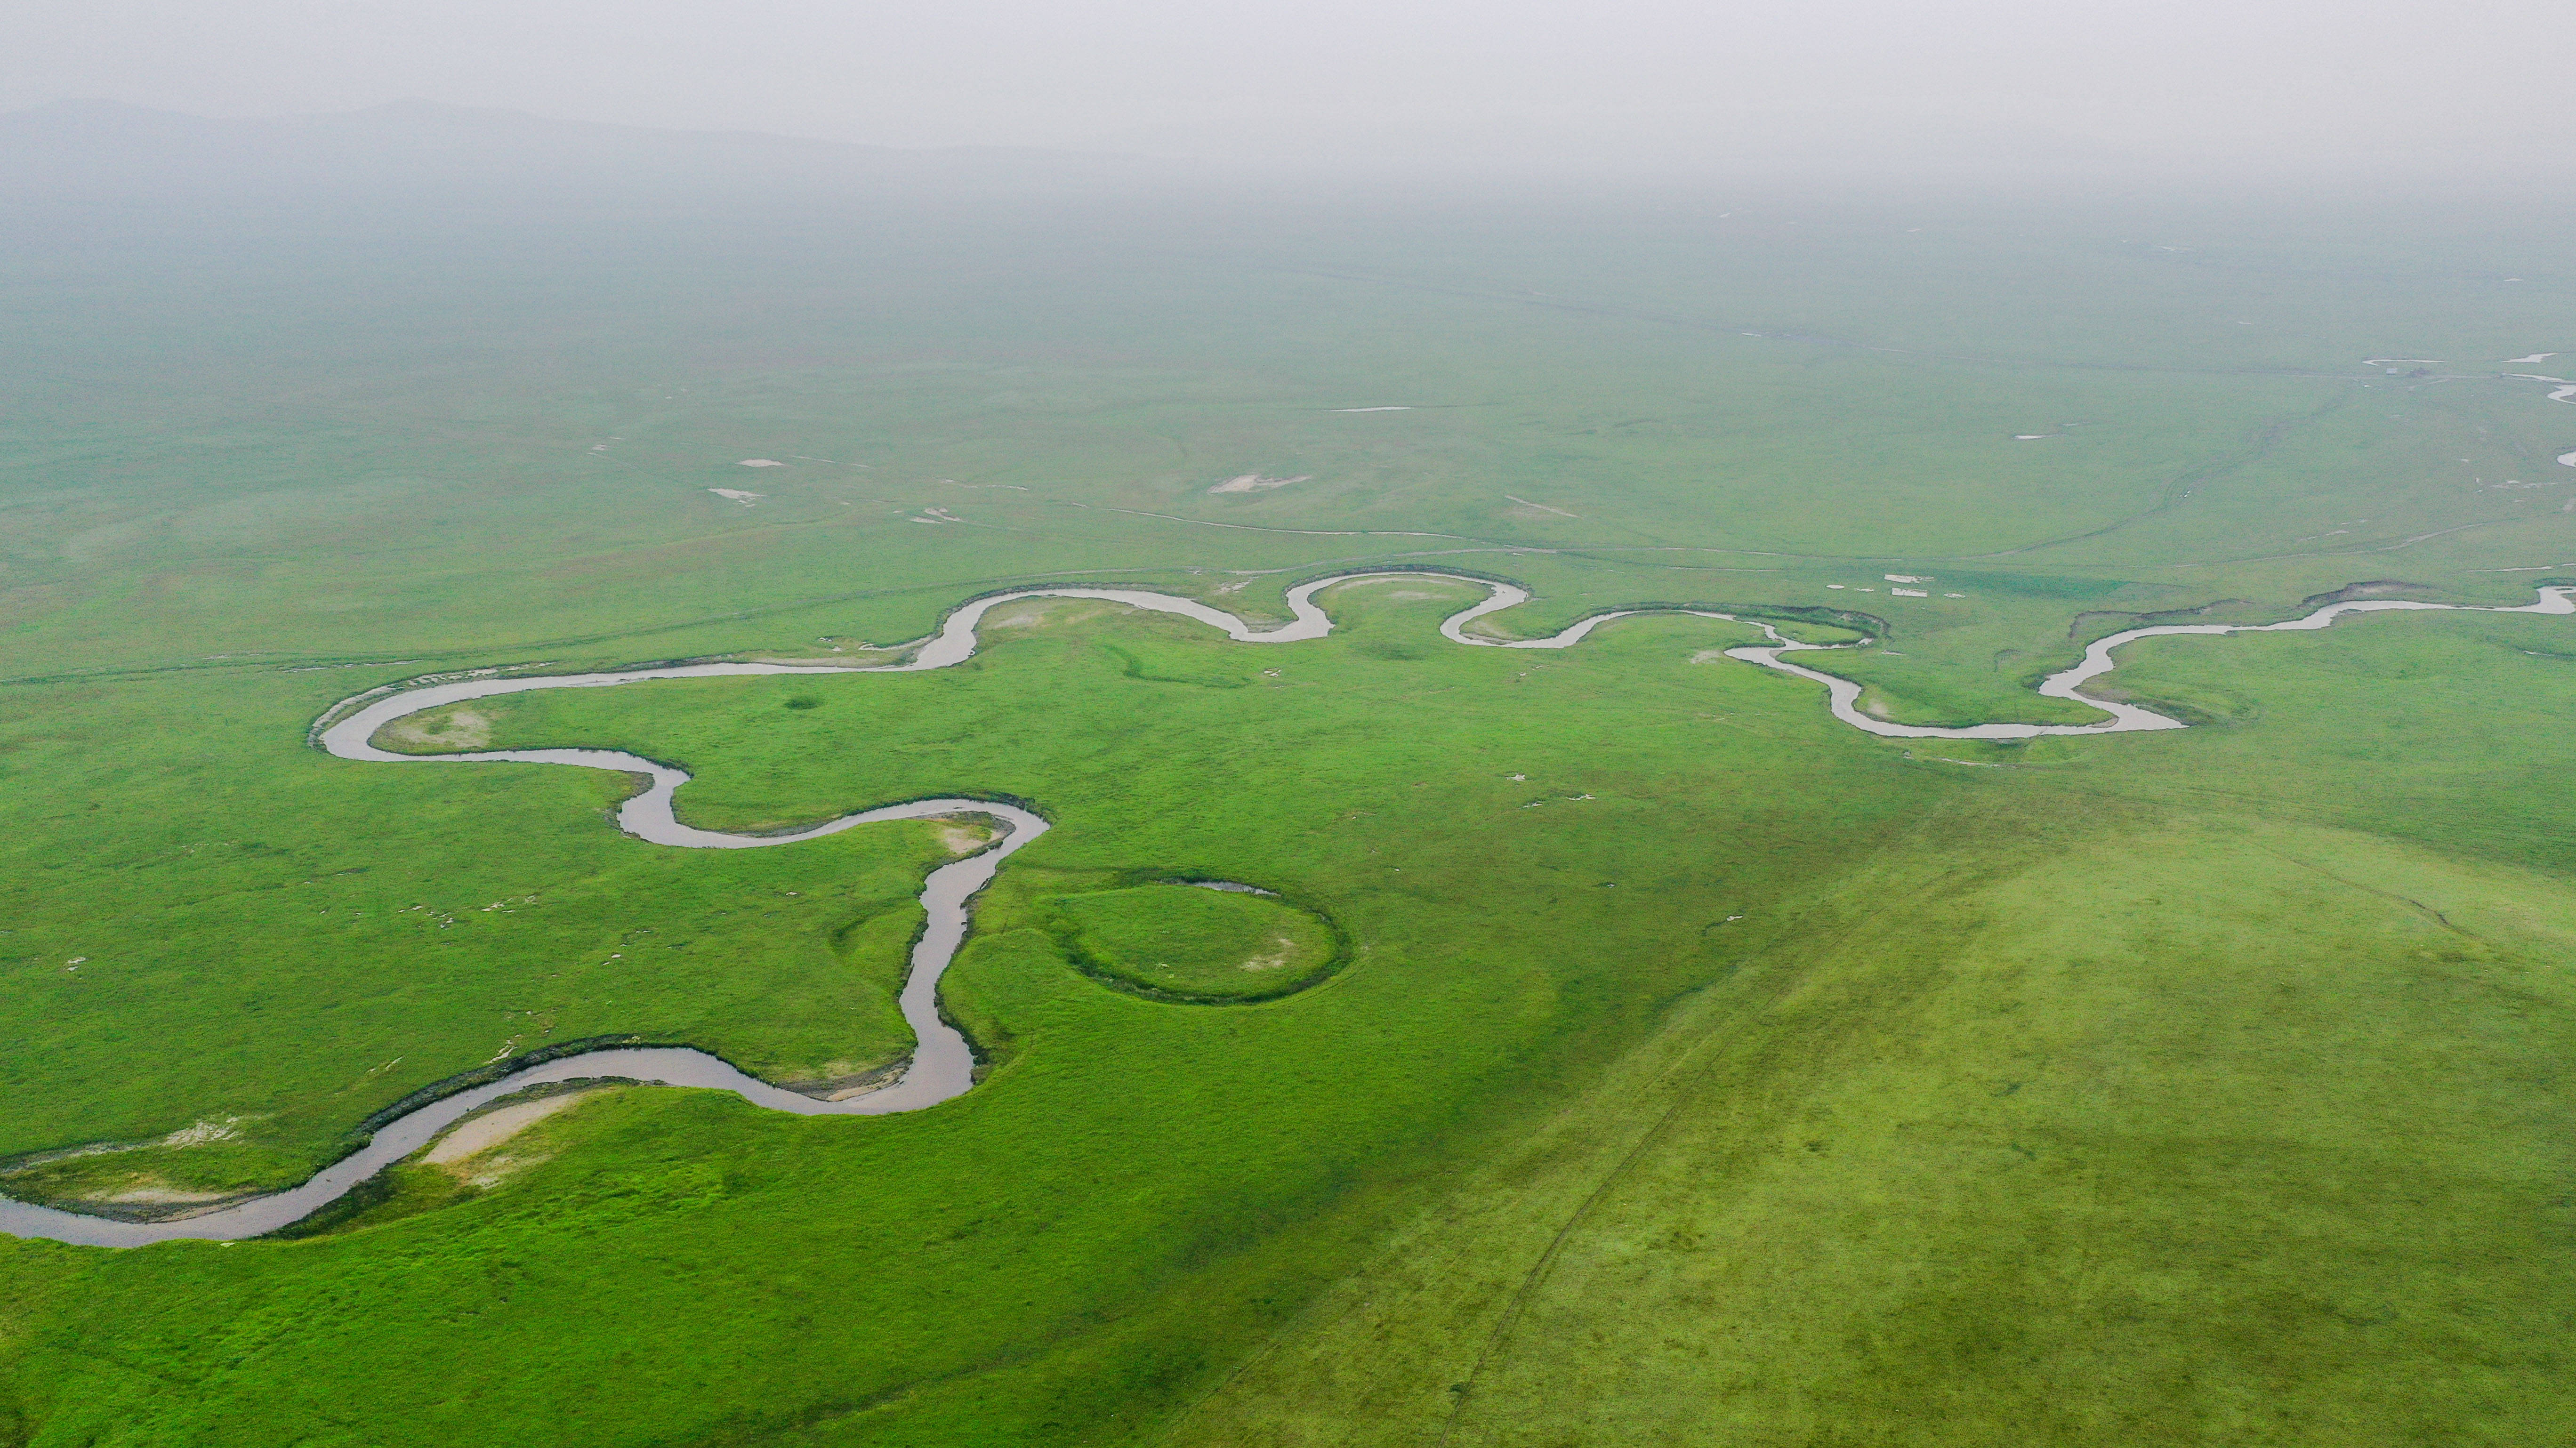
[(459, 726), (1180, 941)]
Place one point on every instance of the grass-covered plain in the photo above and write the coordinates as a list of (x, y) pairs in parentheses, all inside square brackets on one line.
[(1683, 1066)]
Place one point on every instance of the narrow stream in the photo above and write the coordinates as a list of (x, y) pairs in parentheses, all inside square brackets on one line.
[(942, 1066)]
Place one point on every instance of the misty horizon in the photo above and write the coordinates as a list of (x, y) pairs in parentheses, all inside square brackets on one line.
[(2000, 88)]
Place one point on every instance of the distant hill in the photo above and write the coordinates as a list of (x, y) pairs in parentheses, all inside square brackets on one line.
[(90, 147)]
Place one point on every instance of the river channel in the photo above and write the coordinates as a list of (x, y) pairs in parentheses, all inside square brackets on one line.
[(942, 1065)]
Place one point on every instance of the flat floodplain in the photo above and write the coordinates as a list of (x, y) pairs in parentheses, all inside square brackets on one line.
[(1670, 1062)]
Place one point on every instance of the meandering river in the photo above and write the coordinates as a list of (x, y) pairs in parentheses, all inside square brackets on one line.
[(942, 1066)]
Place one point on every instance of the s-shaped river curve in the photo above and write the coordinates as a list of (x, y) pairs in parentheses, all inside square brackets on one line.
[(942, 1065)]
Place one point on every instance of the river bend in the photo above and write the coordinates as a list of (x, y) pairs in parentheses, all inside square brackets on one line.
[(942, 1065)]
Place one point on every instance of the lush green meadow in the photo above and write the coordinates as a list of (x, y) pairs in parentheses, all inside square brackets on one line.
[(1630, 1054)]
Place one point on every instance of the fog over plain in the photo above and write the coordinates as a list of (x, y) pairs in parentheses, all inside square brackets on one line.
[(1618, 1045), (2357, 90)]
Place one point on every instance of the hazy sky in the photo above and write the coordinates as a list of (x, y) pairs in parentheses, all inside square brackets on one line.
[(2408, 86)]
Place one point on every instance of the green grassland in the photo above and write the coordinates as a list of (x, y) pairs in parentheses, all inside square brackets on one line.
[(1651, 1058)]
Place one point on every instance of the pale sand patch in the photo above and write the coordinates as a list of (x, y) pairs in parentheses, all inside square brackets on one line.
[(493, 1170), (1030, 613), (198, 1133), (964, 838), (760, 463), (447, 729), (872, 1082), (1383, 579), (160, 1197), (479, 1134), (1709, 656), (737, 495), (1276, 959), (1256, 483), (202, 1133), (838, 658)]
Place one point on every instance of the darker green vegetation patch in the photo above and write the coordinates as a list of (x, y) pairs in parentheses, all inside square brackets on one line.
[(804, 701), (1154, 667), (1190, 943)]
